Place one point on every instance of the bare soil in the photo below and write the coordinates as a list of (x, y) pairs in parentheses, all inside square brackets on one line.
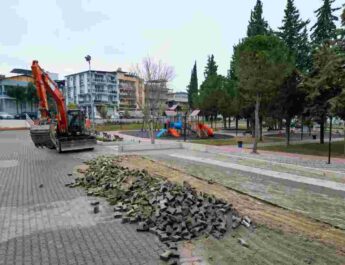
[(260, 212)]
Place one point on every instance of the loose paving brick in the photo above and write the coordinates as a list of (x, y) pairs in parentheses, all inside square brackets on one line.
[(55, 224)]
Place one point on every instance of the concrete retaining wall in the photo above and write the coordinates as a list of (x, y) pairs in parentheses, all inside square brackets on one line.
[(149, 147), (14, 124)]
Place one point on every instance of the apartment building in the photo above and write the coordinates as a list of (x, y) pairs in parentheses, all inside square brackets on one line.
[(102, 85), (177, 98), (19, 78), (131, 91)]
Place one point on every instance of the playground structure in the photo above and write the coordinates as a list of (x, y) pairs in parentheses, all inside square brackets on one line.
[(175, 124)]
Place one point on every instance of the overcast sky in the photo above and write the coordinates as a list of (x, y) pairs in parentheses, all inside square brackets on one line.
[(120, 33)]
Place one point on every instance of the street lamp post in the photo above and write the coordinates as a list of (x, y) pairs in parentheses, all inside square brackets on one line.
[(330, 141), (88, 59)]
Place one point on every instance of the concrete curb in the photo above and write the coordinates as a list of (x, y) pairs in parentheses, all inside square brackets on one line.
[(109, 143), (149, 147)]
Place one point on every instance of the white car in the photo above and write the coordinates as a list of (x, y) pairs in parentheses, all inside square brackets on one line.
[(6, 116)]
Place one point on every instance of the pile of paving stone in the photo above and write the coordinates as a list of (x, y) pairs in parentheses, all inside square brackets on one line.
[(172, 212)]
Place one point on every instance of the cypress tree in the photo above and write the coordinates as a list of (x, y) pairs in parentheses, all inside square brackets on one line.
[(257, 24), (193, 87), (211, 67), (295, 35), (325, 28)]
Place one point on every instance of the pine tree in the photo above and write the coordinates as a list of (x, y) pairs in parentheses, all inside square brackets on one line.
[(257, 24), (304, 61), (193, 87), (325, 28), (211, 67), (295, 35)]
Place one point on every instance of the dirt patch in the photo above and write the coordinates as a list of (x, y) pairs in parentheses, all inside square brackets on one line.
[(259, 211)]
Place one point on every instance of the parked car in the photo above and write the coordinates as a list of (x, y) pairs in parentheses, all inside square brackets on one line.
[(22, 116), (6, 116)]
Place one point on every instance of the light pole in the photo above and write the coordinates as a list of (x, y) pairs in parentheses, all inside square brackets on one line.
[(330, 140), (88, 59)]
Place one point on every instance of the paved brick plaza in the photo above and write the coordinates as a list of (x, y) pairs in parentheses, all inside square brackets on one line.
[(54, 224)]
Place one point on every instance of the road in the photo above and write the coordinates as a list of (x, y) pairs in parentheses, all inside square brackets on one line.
[(44, 222)]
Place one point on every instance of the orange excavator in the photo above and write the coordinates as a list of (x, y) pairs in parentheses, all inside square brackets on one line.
[(67, 130)]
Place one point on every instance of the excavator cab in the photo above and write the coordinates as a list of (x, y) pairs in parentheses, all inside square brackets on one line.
[(76, 122)]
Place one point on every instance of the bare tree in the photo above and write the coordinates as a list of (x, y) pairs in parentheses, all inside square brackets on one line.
[(156, 76)]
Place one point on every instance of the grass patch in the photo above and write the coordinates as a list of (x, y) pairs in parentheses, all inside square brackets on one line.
[(233, 141), (266, 246), (330, 209), (310, 149), (118, 127)]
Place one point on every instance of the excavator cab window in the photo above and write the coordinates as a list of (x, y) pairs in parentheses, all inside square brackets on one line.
[(76, 122)]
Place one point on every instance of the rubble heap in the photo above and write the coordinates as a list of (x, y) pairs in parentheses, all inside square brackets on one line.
[(173, 212)]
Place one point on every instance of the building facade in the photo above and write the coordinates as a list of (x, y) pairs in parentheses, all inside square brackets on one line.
[(102, 85), (21, 79), (7, 103), (177, 98), (131, 91)]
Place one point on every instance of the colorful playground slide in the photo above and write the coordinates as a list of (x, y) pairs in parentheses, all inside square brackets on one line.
[(173, 132), (207, 129), (161, 133)]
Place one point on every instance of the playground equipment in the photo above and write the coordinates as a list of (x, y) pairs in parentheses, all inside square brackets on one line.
[(161, 133), (172, 128), (174, 125), (204, 128)]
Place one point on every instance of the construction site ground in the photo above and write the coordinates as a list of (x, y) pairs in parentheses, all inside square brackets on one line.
[(296, 201), (282, 236)]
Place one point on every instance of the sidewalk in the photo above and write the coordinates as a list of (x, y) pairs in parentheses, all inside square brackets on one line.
[(336, 186)]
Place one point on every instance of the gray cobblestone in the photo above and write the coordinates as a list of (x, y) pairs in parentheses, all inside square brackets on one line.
[(54, 224)]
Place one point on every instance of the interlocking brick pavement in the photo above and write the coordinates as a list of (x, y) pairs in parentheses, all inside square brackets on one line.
[(55, 224)]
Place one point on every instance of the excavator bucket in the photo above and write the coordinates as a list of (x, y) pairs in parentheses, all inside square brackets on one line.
[(42, 136), (87, 142)]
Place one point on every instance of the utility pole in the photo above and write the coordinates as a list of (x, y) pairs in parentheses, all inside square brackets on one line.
[(185, 127), (88, 59)]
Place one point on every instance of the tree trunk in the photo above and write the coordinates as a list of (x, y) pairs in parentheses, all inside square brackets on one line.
[(247, 124), (237, 125), (215, 123), (322, 132), (287, 128), (280, 124), (253, 126), (257, 124), (261, 129), (229, 122), (224, 122), (302, 128), (152, 132)]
